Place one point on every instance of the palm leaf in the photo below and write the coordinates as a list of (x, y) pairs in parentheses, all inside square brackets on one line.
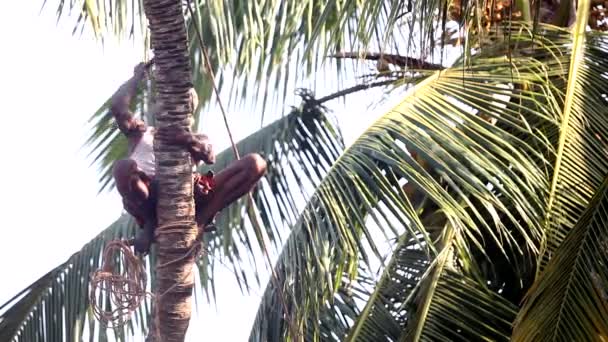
[(384, 316), (581, 162), (267, 39), (299, 149), (260, 44), (463, 310), (452, 305), (476, 141), (336, 316), (569, 301), (423, 298)]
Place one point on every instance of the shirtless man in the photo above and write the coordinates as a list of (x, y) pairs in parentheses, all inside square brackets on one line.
[(134, 176)]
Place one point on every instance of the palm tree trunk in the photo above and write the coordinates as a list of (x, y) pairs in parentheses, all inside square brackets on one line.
[(175, 208)]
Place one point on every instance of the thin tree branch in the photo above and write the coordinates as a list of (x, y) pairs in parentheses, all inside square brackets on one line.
[(354, 89), (401, 61)]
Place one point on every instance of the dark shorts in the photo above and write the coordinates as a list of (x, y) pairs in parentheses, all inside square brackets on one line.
[(203, 186)]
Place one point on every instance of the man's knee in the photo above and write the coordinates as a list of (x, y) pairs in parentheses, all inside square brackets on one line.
[(256, 165)]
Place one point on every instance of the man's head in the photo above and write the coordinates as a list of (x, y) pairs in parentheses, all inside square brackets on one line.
[(132, 125)]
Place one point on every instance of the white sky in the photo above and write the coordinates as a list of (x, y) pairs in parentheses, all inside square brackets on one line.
[(51, 82)]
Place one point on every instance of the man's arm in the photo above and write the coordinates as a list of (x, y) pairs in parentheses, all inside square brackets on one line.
[(122, 98)]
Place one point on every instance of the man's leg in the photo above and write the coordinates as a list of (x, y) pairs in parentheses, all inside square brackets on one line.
[(231, 183), (138, 200)]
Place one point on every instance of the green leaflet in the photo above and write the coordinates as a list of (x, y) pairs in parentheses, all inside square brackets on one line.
[(569, 301)]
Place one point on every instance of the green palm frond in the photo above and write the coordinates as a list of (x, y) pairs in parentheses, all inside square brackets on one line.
[(569, 301), (384, 316), (581, 160), (119, 18), (461, 309), (450, 304), (11, 319), (56, 306), (475, 141), (270, 323), (423, 298), (261, 44), (299, 149), (336, 317), (262, 36)]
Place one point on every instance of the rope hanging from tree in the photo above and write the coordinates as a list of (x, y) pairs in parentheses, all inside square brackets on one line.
[(125, 290), (252, 210)]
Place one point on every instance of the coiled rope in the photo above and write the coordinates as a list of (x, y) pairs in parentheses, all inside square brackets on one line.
[(125, 290)]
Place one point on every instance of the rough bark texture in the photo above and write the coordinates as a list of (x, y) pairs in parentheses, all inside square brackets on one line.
[(175, 280)]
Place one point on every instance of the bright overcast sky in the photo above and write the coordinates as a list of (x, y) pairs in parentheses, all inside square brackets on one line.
[(51, 82)]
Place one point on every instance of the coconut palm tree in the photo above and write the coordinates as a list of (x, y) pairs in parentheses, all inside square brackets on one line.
[(175, 207), (473, 210)]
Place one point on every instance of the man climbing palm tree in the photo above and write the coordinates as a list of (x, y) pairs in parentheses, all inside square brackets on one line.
[(135, 175)]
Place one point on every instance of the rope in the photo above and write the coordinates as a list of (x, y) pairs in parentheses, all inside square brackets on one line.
[(127, 301), (256, 224), (196, 249), (125, 290)]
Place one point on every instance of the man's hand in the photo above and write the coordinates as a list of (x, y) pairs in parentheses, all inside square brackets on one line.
[(202, 150), (198, 144), (141, 70)]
